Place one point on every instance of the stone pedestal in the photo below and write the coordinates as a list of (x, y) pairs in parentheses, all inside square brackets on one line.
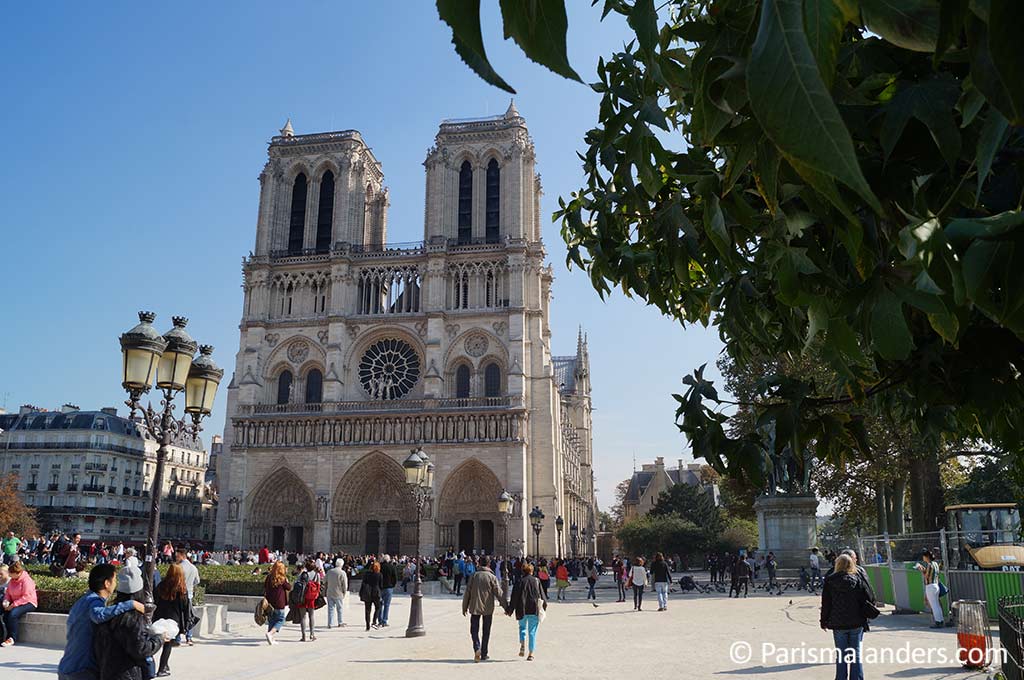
[(786, 526)]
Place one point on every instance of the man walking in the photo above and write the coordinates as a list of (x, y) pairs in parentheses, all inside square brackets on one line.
[(388, 580), (458, 567), (815, 562), (482, 591), (191, 581), (337, 590), (11, 545)]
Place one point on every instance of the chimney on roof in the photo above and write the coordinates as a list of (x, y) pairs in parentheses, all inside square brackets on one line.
[(681, 466), (109, 410), (27, 408), (659, 463), (69, 408)]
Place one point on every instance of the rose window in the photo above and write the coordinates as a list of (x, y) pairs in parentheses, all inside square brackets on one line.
[(389, 369)]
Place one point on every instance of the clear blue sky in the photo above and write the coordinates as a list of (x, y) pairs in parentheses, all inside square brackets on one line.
[(134, 134)]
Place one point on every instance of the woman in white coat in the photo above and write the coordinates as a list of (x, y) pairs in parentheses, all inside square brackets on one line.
[(638, 578)]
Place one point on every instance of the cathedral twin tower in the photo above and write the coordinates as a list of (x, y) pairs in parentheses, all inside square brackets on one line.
[(354, 351)]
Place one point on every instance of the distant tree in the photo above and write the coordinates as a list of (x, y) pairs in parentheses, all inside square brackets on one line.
[(691, 503), (618, 511), (988, 481), (14, 514), (668, 534), (738, 533)]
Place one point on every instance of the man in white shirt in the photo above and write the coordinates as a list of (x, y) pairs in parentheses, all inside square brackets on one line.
[(191, 581), (815, 561)]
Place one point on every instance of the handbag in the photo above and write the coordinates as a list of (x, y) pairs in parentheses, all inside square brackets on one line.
[(869, 610), (943, 590), (320, 601)]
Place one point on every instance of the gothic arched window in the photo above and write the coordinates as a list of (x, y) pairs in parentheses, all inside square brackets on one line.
[(462, 382), (314, 386), (284, 387), (493, 201), (492, 380), (465, 203), (325, 214), (297, 223)]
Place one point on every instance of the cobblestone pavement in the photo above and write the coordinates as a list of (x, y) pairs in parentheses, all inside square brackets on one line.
[(692, 639)]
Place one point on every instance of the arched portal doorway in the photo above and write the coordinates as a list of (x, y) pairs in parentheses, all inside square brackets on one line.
[(281, 513), (373, 511), (468, 510)]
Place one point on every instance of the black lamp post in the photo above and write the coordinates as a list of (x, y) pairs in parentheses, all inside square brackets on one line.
[(585, 545), (537, 522), (419, 476), (559, 525), (169, 359), (505, 503), (574, 537)]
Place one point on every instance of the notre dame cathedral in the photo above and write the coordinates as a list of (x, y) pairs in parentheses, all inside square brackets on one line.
[(355, 351)]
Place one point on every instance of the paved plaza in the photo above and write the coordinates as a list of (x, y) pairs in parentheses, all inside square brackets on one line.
[(691, 640)]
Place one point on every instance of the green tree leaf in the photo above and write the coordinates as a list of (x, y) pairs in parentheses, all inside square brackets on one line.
[(539, 28), (791, 102), (931, 102), (911, 24), (644, 20), (824, 22), (986, 75), (464, 18), (993, 135), (890, 336)]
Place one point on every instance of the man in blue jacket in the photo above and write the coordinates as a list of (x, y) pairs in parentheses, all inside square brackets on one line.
[(78, 662)]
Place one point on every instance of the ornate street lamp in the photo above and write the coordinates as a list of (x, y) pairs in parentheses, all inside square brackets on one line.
[(146, 355), (559, 525), (419, 476), (505, 505), (574, 538), (584, 544), (537, 522)]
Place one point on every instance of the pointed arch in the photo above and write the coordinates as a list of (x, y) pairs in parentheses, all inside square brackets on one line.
[(280, 512), (465, 224), (297, 221), (492, 379), (325, 213), (372, 490), (284, 386), (467, 510), (462, 380), (493, 202)]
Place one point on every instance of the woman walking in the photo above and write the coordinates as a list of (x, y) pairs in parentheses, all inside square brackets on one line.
[(19, 599), (638, 577), (592, 575), (172, 603), (619, 573), (369, 593), (309, 583), (544, 577), (275, 589), (930, 572), (561, 579), (843, 599), (526, 602)]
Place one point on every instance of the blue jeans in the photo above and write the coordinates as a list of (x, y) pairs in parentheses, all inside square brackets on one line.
[(334, 604), (529, 624), (591, 595), (848, 645), (480, 642), (275, 620), (661, 587), (13, 617), (385, 604)]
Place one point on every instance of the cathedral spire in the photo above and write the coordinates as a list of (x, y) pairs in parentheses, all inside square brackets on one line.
[(579, 345), (287, 130), (512, 111)]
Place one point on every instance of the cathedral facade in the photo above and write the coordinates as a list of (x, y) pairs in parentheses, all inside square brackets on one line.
[(354, 351)]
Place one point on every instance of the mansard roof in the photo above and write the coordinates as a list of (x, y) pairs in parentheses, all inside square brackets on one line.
[(72, 420)]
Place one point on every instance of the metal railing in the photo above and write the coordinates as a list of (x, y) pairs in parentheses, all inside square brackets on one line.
[(1011, 636), (330, 407)]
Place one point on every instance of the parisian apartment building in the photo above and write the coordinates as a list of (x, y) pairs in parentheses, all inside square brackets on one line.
[(91, 472)]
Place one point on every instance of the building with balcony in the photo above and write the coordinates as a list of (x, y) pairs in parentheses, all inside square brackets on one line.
[(92, 472), (354, 351)]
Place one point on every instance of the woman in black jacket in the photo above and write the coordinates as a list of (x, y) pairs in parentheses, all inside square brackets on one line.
[(123, 644), (369, 592), (526, 602), (172, 603), (843, 603)]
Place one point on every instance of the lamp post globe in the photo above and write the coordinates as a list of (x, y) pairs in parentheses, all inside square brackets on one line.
[(172, 372), (201, 385), (141, 349), (537, 522)]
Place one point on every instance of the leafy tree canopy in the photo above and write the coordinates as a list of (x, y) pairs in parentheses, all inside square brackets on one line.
[(846, 173), (14, 514)]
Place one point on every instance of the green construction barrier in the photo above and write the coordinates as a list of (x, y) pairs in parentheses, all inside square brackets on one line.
[(1000, 584)]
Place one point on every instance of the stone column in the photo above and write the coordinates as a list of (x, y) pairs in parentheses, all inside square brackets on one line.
[(787, 526)]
